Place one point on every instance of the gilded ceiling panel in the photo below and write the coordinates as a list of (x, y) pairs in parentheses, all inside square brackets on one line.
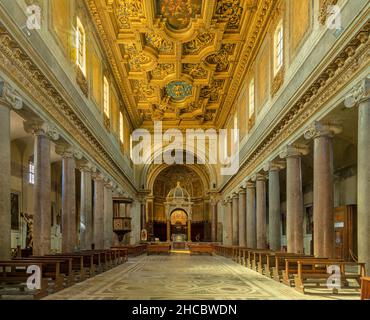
[(176, 58)]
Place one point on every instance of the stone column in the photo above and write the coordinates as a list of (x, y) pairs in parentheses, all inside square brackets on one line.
[(273, 169), (69, 226), (189, 230), (323, 188), (150, 215), (261, 211), (42, 186), (360, 97), (143, 214), (251, 215), (8, 101), (168, 224), (242, 217), (98, 211), (235, 223), (108, 214), (86, 218), (294, 201), (228, 220), (213, 205)]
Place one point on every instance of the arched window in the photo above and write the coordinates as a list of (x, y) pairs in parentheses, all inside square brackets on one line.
[(106, 98), (278, 48), (31, 171), (251, 102), (81, 46)]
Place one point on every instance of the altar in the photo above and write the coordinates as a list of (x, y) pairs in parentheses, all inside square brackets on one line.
[(178, 241)]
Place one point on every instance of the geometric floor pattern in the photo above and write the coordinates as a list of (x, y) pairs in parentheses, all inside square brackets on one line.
[(181, 276)]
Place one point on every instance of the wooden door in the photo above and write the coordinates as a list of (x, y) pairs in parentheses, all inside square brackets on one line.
[(345, 232)]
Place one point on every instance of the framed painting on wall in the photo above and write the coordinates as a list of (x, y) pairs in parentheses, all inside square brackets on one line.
[(14, 210)]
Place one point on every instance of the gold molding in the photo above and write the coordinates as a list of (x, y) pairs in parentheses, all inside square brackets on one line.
[(208, 50)]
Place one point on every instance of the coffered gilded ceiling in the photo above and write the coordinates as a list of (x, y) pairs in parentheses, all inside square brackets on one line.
[(175, 59)]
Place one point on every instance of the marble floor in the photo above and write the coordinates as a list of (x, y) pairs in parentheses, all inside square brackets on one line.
[(181, 276)]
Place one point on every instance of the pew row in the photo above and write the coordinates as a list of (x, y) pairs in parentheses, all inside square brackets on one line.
[(133, 250), (14, 276), (159, 248), (201, 249), (328, 273)]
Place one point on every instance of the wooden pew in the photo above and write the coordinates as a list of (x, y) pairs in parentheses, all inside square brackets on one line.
[(236, 254), (122, 254), (259, 260), (79, 272), (65, 265), (13, 275), (291, 267), (314, 271), (275, 263), (50, 271), (279, 267), (159, 248), (134, 250), (243, 256), (106, 259), (253, 256), (227, 251), (365, 288), (98, 257), (201, 248), (217, 249)]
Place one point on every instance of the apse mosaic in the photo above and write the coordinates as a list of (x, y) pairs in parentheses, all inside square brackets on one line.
[(179, 216)]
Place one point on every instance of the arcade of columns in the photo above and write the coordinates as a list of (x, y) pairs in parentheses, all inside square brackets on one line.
[(246, 211), (96, 210)]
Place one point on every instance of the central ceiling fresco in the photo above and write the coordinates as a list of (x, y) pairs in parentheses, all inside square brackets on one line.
[(175, 59)]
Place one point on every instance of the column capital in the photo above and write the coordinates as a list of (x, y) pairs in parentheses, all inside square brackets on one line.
[(68, 151), (294, 150), (242, 190), (274, 166), (250, 185), (235, 195), (84, 166), (9, 97), (108, 183), (319, 129), (358, 94), (39, 127), (120, 191), (98, 176), (259, 177)]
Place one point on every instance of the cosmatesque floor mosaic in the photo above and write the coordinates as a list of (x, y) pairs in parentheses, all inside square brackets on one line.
[(181, 276)]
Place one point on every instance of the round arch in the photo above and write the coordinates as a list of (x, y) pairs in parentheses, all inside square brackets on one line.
[(149, 175)]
